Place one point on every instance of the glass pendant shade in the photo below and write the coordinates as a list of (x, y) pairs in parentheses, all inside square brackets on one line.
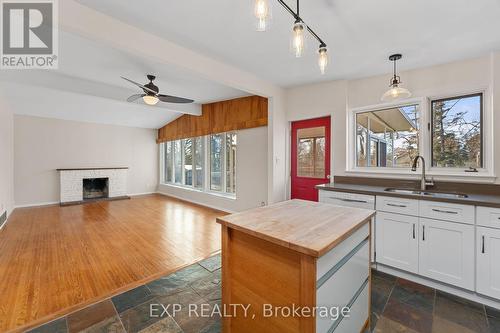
[(298, 42), (262, 12), (150, 100), (323, 59), (394, 93)]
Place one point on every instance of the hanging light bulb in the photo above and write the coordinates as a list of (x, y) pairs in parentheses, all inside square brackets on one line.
[(322, 58), (298, 38), (262, 12), (395, 92)]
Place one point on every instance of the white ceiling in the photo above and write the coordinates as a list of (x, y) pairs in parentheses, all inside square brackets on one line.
[(360, 34), (93, 69)]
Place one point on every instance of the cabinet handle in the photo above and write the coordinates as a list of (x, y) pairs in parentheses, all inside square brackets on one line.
[(413, 230), (444, 211), (423, 232), (482, 247), (395, 205), (349, 200)]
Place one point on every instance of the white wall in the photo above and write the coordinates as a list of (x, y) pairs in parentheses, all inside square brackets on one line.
[(6, 157), (251, 176), (336, 98), (41, 145)]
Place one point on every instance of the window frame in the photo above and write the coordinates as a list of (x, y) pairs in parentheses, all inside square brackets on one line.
[(352, 166), (206, 165), (431, 130), (484, 175)]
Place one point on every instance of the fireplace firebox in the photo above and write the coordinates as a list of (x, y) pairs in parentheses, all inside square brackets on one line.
[(95, 188)]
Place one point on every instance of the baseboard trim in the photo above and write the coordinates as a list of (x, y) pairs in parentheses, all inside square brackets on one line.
[(197, 202), (467, 294), (38, 204), (144, 193)]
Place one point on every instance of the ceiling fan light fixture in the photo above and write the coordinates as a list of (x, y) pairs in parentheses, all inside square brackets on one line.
[(150, 99), (395, 92)]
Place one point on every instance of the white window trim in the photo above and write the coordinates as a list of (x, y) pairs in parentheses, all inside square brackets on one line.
[(206, 167), (484, 175)]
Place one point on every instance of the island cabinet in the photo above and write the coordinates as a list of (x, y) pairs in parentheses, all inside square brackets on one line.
[(296, 266)]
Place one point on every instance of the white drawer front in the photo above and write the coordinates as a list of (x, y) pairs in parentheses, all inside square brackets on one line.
[(347, 199), (447, 211), (334, 256), (488, 217), (358, 314), (342, 286), (397, 205)]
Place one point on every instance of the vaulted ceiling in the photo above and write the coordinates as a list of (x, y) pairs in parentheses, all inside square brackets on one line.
[(360, 34)]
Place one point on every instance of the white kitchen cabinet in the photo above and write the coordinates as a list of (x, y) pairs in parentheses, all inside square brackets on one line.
[(446, 252), (397, 241), (488, 263)]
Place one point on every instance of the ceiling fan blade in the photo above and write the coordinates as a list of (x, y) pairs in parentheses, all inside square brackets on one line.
[(135, 97), (174, 99), (139, 85)]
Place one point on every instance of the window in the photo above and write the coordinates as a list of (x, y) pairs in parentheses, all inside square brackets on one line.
[(188, 162), (199, 159), (387, 137), (230, 162), (177, 162), (216, 147), (184, 162), (311, 152), (457, 132), (168, 161)]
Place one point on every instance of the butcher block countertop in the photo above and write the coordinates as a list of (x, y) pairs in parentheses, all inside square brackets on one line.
[(308, 227)]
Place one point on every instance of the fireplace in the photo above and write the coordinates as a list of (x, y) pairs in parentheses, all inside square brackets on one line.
[(95, 188)]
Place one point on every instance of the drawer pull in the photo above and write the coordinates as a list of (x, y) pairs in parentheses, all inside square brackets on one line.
[(395, 205), (444, 211), (482, 247), (349, 200)]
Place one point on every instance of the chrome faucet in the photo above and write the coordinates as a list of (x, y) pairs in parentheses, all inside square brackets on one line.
[(423, 182)]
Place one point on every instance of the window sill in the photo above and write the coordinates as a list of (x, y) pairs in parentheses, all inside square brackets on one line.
[(451, 176), (188, 188)]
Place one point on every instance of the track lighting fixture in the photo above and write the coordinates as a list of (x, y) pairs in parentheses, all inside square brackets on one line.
[(262, 12)]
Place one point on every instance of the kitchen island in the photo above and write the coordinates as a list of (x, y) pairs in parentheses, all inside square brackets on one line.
[(296, 266)]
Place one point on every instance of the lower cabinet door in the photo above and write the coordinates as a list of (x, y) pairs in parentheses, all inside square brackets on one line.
[(397, 241), (488, 262), (446, 252)]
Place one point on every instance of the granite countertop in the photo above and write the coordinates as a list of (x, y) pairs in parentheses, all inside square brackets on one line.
[(472, 199), (308, 227)]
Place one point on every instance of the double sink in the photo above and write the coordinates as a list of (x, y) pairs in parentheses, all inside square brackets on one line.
[(443, 195)]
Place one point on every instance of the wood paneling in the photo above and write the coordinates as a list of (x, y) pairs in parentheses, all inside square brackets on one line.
[(235, 114), (258, 273), (55, 260)]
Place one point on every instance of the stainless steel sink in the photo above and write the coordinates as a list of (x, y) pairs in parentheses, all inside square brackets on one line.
[(443, 195)]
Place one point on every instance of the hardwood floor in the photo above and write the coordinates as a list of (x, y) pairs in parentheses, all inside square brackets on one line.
[(55, 260)]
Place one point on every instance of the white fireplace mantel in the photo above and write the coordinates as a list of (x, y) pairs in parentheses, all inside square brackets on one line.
[(71, 182)]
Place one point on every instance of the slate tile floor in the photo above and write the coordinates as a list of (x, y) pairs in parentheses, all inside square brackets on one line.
[(398, 306)]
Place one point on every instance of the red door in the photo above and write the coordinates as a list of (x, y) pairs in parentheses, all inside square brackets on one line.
[(310, 157)]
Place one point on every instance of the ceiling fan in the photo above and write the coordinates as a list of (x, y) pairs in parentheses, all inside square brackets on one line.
[(151, 95)]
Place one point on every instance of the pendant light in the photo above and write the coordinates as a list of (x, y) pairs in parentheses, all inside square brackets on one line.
[(395, 92), (298, 40), (322, 58), (262, 12)]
